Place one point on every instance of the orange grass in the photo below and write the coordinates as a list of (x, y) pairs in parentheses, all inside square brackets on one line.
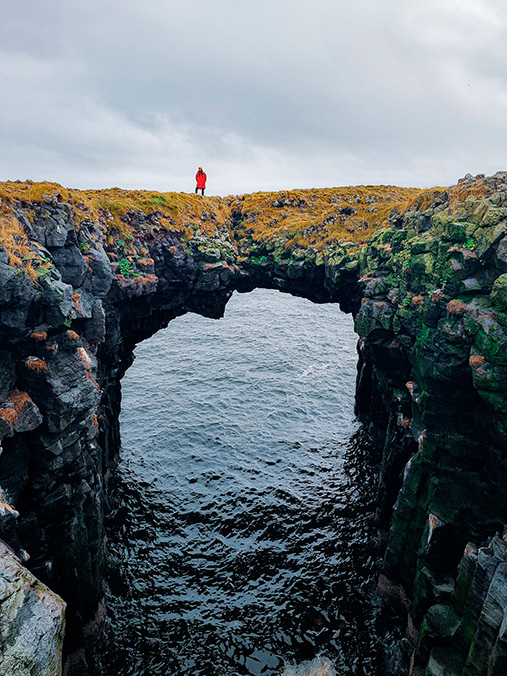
[(311, 218), (459, 193), (87, 364), (12, 412), (317, 217), (176, 211), (38, 365), (14, 241)]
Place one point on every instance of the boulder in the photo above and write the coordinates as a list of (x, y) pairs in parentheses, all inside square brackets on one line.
[(32, 621), (102, 276), (499, 293), (71, 264)]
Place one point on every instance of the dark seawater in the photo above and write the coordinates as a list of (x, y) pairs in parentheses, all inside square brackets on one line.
[(242, 540)]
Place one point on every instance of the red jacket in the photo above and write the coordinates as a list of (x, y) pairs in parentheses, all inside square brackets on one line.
[(200, 177)]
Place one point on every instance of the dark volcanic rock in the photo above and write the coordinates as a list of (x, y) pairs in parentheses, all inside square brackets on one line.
[(71, 264)]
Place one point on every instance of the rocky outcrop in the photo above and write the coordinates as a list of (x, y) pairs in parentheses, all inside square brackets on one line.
[(466, 632), (434, 345), (32, 627), (85, 276)]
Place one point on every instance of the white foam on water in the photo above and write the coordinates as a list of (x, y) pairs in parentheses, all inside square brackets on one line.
[(320, 666)]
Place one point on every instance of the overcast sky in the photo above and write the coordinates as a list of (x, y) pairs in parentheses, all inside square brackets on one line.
[(265, 94)]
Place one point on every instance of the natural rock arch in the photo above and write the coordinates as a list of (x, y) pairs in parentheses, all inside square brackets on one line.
[(427, 290)]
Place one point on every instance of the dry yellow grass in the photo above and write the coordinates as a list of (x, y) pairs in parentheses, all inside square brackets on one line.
[(14, 241), (303, 218), (28, 193), (317, 217), (459, 193), (12, 236), (180, 212), (87, 365), (31, 191), (355, 209), (176, 211)]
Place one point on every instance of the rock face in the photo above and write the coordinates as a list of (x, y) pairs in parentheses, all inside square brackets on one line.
[(32, 628), (433, 343), (84, 277)]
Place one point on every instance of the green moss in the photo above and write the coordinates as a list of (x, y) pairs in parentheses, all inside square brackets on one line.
[(425, 337), (494, 215), (125, 267), (421, 270), (499, 293), (491, 341), (425, 243), (487, 235), (456, 232)]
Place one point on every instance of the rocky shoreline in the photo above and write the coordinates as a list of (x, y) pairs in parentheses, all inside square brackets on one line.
[(424, 273)]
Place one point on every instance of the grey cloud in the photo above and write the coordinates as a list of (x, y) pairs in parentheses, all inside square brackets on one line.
[(267, 94)]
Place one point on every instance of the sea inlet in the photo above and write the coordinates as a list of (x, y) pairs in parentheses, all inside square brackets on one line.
[(241, 539)]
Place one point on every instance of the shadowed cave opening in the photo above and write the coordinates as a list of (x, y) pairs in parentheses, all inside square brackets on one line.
[(241, 536)]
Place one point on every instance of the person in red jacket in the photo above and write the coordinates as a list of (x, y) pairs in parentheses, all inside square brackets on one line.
[(200, 177)]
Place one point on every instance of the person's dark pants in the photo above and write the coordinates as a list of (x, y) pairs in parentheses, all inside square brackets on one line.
[(201, 189)]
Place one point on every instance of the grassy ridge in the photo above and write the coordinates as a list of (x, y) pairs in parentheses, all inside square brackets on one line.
[(287, 221), (302, 218)]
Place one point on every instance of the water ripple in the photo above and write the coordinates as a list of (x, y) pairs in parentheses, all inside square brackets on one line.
[(240, 540)]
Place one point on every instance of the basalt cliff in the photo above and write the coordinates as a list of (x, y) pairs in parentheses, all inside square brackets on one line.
[(86, 275)]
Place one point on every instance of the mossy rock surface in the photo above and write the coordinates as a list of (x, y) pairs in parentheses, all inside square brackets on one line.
[(499, 293)]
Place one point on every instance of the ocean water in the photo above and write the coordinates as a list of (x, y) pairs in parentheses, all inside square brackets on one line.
[(241, 541)]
